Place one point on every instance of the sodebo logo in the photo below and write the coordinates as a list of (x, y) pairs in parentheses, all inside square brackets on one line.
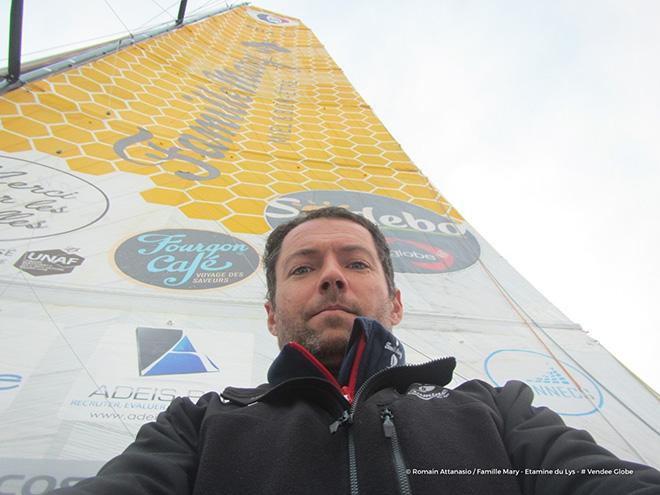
[(20, 484), (420, 240)]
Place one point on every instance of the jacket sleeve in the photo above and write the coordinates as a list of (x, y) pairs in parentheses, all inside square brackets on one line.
[(537, 438), (161, 461)]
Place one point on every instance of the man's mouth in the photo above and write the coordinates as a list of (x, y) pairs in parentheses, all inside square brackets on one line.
[(335, 307)]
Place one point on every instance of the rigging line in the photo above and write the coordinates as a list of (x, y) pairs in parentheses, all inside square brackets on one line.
[(515, 305), (428, 357), (204, 5), (519, 310), (164, 10), (118, 18), (78, 358), (577, 363)]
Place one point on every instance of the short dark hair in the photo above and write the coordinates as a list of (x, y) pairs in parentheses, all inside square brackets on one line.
[(276, 238)]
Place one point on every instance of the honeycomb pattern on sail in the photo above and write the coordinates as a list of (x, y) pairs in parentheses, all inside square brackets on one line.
[(264, 112)]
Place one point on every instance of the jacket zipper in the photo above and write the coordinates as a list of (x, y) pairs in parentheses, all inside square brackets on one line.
[(347, 419), (389, 431)]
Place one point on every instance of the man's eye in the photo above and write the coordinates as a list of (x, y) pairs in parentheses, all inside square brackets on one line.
[(299, 270), (358, 265)]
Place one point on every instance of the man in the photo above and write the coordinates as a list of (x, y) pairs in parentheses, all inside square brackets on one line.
[(340, 413)]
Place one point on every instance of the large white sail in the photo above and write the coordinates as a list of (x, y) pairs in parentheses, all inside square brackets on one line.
[(136, 193)]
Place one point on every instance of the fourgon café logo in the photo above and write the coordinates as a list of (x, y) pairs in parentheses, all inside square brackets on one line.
[(186, 259)]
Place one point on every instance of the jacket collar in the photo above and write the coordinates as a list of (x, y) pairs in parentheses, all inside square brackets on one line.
[(371, 348)]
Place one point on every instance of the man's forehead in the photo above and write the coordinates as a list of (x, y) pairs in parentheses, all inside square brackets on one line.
[(325, 231)]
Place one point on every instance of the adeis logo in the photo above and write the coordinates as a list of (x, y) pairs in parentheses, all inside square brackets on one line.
[(186, 259), (51, 262), (9, 381), (421, 241), (272, 19), (577, 395), (167, 351)]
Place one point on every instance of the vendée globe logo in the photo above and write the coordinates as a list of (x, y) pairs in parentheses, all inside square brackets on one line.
[(186, 259), (420, 240)]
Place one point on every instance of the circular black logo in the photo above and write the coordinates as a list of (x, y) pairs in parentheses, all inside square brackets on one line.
[(420, 240)]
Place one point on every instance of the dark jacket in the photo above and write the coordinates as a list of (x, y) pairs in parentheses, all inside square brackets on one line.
[(375, 430)]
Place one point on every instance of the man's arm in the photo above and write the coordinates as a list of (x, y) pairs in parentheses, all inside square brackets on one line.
[(537, 438), (162, 460)]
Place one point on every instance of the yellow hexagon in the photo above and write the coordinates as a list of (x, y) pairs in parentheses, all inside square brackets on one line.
[(135, 118), (223, 180), (171, 181), (71, 92), (204, 211), (257, 167), (411, 178), (396, 156), (24, 126), (320, 175), (90, 166), (372, 159), (247, 206), (355, 185), (71, 133), (11, 142), (108, 101), (56, 102), (312, 135), (286, 188), (252, 178), (343, 152), (9, 108), (84, 121), (363, 140), (350, 173), (85, 83), (456, 215), (134, 168), (42, 114), (436, 206), (315, 154), (367, 150), (420, 191), (245, 224), (57, 147), (320, 186), (251, 191), (210, 194), (384, 182), (165, 196), (286, 176), (392, 194)]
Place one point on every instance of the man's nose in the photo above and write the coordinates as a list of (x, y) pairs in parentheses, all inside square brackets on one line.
[(332, 277)]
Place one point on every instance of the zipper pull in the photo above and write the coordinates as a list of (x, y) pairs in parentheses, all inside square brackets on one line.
[(388, 425), (341, 420)]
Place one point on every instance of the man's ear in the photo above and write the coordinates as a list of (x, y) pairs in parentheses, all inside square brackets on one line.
[(270, 311), (397, 308)]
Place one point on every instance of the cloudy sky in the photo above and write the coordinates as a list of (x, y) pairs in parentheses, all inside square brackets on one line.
[(538, 120)]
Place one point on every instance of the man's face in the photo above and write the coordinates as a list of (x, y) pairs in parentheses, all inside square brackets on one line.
[(327, 273)]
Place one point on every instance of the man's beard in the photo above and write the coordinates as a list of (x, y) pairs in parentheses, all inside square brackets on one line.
[(328, 346)]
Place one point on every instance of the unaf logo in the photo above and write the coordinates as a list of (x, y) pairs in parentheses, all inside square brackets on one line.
[(574, 395), (51, 262), (168, 351), (420, 240)]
